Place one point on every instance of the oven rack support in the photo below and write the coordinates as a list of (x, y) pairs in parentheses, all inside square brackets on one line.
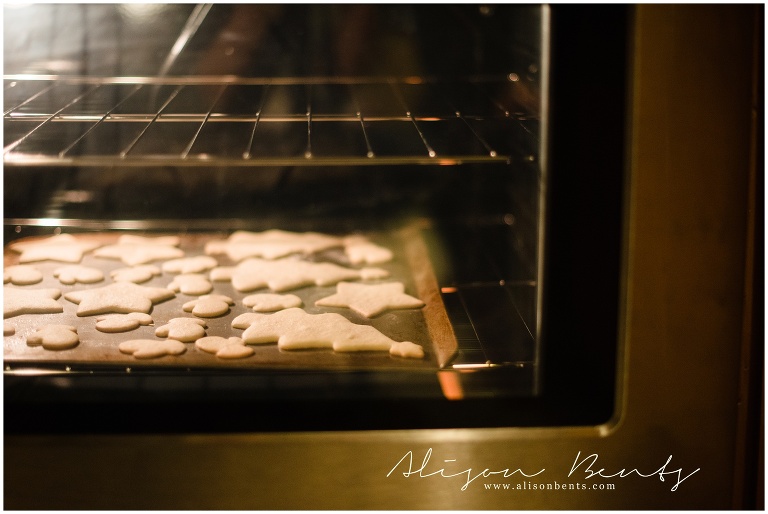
[(226, 121)]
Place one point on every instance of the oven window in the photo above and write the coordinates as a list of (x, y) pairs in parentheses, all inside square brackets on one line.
[(453, 139)]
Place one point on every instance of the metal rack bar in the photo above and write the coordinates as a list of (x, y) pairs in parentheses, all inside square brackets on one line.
[(31, 98), (157, 115), (186, 151), (430, 151), (359, 115), (70, 103), (483, 142), (308, 149), (196, 18), (382, 130), (247, 153), (101, 120)]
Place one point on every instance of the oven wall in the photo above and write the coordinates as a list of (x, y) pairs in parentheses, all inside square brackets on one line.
[(683, 303)]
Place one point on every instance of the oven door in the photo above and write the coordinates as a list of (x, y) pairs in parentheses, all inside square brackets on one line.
[(613, 355)]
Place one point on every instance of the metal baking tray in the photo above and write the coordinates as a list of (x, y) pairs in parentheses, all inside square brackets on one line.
[(428, 327)]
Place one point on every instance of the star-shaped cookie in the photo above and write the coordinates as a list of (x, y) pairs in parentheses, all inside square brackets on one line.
[(30, 301), (295, 329), (286, 274), (61, 247), (120, 297), (134, 254), (370, 299)]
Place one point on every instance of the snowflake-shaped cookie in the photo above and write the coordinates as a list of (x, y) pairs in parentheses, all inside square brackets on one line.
[(120, 297), (271, 244), (182, 329), (197, 264), (61, 247), (54, 337), (370, 299), (295, 329), (136, 274), (135, 250), (360, 250), (286, 274), (267, 302), (191, 284), (30, 301), (151, 348), (224, 348), (22, 275), (209, 306), (74, 273), (113, 323)]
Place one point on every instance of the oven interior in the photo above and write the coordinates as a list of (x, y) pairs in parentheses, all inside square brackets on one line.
[(487, 128)]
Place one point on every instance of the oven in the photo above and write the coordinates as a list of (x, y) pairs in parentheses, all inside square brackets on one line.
[(568, 198)]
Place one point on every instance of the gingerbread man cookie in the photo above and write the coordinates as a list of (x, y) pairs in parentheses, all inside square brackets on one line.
[(209, 306), (22, 275), (54, 337)]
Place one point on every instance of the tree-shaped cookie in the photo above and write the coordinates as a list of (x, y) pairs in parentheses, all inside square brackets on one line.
[(295, 329)]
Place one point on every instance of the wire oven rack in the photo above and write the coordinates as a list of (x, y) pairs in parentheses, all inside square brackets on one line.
[(229, 121)]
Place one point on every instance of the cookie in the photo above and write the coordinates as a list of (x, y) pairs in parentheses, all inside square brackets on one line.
[(224, 348), (75, 273), (407, 349), (191, 284), (54, 337), (286, 274), (136, 274), (361, 251), (135, 250), (198, 264), (295, 329), (370, 299), (151, 348), (271, 244), (182, 329), (8, 329), (30, 301), (113, 323), (132, 239), (209, 306), (120, 297), (266, 302), (61, 247), (22, 275)]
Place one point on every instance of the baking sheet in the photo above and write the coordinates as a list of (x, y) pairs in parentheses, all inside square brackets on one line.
[(428, 327)]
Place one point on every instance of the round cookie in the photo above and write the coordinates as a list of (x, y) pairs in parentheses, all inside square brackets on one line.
[(136, 274), (75, 273), (114, 323), (152, 348)]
